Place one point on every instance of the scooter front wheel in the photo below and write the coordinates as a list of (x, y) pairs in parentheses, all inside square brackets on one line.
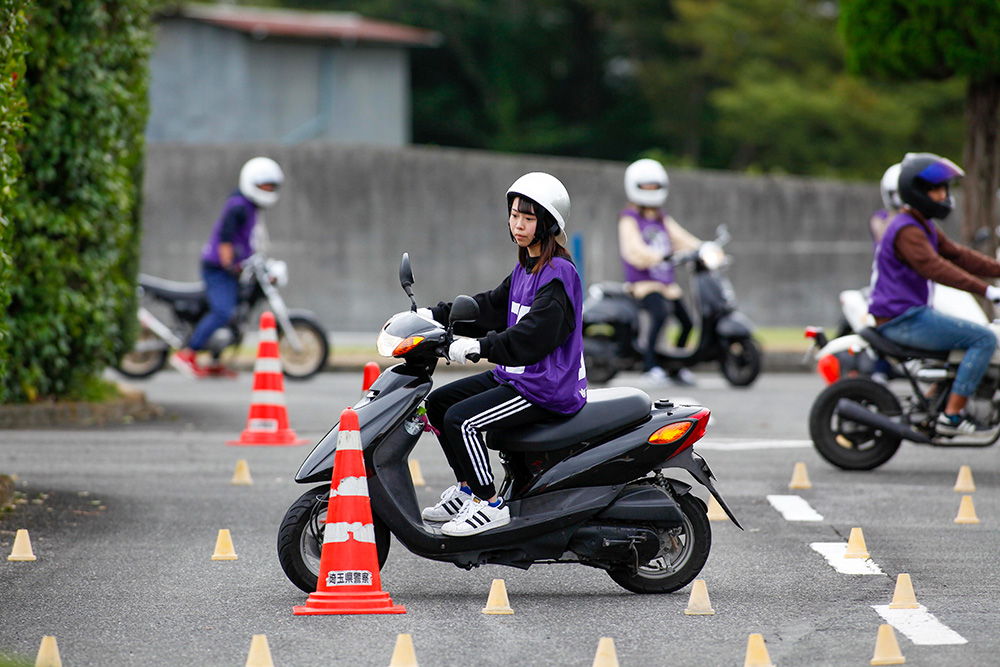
[(149, 356), (300, 538), (683, 552), (312, 356), (847, 444)]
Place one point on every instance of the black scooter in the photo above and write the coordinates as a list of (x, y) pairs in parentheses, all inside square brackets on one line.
[(611, 324), (586, 489)]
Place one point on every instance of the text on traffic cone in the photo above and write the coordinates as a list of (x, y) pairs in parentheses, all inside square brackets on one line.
[(698, 603), (241, 476), (964, 483), (715, 511), (903, 596), (349, 581), (224, 546), (966, 511), (886, 647), (856, 545), (757, 652), (800, 477), (403, 655), (497, 602), (606, 655), (22, 547), (260, 653), (48, 653), (267, 423)]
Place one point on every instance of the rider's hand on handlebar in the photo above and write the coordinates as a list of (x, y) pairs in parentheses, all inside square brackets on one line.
[(993, 294), (462, 349)]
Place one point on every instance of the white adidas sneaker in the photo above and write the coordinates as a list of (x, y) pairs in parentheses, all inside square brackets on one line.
[(451, 503), (476, 517)]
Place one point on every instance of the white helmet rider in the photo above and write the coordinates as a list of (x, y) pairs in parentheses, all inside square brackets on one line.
[(550, 194), (889, 187), (646, 172), (257, 172)]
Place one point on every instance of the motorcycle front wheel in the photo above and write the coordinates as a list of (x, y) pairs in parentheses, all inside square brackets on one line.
[(149, 356), (314, 353), (847, 444), (300, 538), (741, 361), (683, 552)]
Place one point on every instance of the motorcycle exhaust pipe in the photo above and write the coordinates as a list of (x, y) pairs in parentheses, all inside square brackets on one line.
[(856, 412)]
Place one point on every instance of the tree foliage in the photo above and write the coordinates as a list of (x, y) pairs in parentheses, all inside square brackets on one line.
[(75, 229)]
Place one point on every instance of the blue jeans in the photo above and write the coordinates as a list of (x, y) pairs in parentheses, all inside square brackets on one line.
[(925, 328), (223, 292)]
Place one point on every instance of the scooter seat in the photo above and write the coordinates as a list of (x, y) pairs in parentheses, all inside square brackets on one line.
[(172, 290), (891, 349), (605, 411)]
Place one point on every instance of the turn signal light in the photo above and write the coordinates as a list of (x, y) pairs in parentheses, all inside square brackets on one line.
[(670, 433), (406, 345)]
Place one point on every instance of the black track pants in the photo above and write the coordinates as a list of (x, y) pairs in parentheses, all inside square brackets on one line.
[(467, 408)]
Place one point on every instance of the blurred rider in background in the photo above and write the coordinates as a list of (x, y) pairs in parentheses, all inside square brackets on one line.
[(889, 188)]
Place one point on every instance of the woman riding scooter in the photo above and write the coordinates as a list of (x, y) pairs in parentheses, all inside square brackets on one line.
[(647, 239), (914, 251)]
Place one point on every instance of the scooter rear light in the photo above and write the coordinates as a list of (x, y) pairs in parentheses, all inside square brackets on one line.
[(670, 433), (406, 345), (691, 430), (829, 368)]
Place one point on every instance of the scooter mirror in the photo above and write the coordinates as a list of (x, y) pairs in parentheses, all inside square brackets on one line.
[(405, 272), (463, 309)]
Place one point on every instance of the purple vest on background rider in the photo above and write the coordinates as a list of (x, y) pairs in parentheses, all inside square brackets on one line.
[(654, 233), (895, 287), (242, 246), (559, 381)]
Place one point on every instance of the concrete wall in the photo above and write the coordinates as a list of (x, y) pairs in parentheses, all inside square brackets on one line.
[(348, 213), (210, 84)]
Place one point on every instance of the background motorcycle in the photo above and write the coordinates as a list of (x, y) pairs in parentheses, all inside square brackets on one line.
[(585, 489), (611, 340), (303, 344), (858, 423)]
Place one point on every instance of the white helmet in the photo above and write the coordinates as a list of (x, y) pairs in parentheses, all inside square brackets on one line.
[(646, 172), (257, 172), (549, 193), (889, 187)]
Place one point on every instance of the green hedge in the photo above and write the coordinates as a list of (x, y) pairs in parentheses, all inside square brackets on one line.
[(12, 104), (75, 215)]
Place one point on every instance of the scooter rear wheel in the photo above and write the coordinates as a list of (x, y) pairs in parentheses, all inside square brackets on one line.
[(847, 444), (300, 538), (741, 361), (682, 554)]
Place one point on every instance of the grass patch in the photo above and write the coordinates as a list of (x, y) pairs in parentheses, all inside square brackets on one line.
[(94, 389)]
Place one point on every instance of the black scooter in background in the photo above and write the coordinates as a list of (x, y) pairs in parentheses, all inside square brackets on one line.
[(586, 489), (611, 324)]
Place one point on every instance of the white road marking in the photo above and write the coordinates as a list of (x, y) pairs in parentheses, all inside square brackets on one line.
[(919, 625), (740, 444), (834, 554), (794, 508)]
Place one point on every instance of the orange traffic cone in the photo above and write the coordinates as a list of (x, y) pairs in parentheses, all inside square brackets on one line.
[(349, 581), (372, 371), (267, 423)]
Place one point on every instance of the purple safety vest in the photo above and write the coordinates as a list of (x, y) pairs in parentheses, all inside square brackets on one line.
[(559, 381), (895, 286), (242, 243), (655, 235)]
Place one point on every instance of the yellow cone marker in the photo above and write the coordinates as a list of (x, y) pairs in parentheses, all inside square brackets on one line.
[(260, 653), (241, 477), (22, 547), (887, 648), (48, 653), (224, 547), (606, 655), (757, 653), (415, 474), (903, 597), (800, 477), (966, 511), (856, 545), (715, 511), (498, 602), (964, 483), (403, 655), (698, 603)]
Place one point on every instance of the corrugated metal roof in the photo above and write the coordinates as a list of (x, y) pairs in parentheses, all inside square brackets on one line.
[(344, 26)]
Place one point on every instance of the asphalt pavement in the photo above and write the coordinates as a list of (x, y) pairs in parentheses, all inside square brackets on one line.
[(124, 521)]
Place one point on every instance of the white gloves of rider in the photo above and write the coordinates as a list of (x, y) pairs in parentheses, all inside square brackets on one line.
[(993, 293), (460, 350)]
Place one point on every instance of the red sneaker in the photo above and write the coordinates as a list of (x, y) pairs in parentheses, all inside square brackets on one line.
[(185, 363), (217, 369)]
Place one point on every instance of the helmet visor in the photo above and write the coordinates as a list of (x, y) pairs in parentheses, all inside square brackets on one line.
[(942, 171)]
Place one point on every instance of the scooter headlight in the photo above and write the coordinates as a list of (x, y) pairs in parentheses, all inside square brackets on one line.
[(387, 343), (277, 272), (711, 255)]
